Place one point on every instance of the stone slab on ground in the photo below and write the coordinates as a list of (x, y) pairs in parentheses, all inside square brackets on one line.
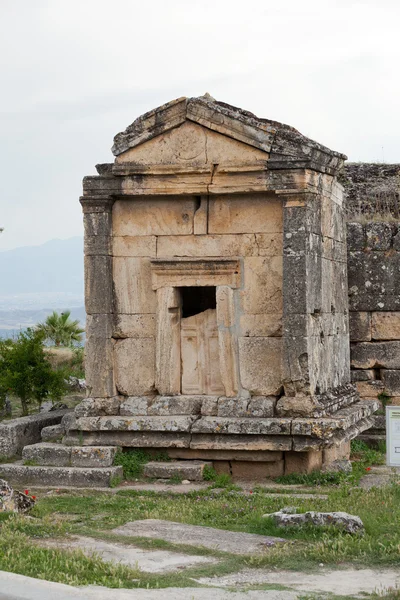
[(347, 582), (58, 455), (195, 535), (19, 587), (151, 561), (191, 470), (379, 476), (79, 477)]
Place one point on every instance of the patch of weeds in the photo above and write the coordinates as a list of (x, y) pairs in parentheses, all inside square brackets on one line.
[(30, 462), (209, 473), (115, 481), (133, 460), (384, 398), (312, 479), (176, 479), (222, 480)]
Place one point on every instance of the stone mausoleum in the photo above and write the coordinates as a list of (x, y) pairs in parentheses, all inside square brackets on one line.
[(216, 295)]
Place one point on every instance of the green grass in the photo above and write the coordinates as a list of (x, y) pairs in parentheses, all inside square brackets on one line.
[(134, 459), (96, 514)]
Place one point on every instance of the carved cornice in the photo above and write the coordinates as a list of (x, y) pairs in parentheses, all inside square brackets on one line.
[(96, 204), (182, 272)]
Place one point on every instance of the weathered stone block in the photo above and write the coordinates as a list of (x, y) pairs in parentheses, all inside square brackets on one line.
[(256, 443), (97, 407), (369, 355), (385, 325), (132, 286), (92, 456), (134, 364), (370, 389), (303, 462), (159, 216), (52, 455), (161, 424), (262, 292), (139, 245), (373, 276), (391, 381), (362, 375), (360, 326), (229, 425), (97, 224), (52, 433), (379, 235), (134, 406), (191, 470), (97, 245), (134, 326), (175, 405), (336, 452), (265, 325), (256, 471), (210, 245), (98, 285), (258, 213), (99, 367), (209, 406), (232, 407), (355, 236), (99, 326), (260, 362), (261, 407)]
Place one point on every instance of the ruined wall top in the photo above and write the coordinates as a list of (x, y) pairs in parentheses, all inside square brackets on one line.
[(372, 190), (287, 148)]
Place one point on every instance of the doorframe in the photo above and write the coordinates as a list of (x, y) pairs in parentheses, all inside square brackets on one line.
[(168, 275)]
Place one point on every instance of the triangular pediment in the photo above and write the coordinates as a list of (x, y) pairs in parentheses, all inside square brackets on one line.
[(191, 145), (188, 127)]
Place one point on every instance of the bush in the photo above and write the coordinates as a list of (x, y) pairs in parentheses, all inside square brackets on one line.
[(26, 372)]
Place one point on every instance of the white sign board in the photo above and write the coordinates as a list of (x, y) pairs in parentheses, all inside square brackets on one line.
[(393, 436)]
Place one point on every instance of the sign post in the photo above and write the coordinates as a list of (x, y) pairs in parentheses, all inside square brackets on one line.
[(393, 436)]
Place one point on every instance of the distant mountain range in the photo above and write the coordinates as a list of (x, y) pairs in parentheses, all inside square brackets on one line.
[(35, 280)]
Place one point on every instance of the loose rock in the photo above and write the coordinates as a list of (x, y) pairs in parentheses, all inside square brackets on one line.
[(349, 523), (13, 500)]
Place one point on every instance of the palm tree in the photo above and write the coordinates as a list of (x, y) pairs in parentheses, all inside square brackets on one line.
[(60, 329)]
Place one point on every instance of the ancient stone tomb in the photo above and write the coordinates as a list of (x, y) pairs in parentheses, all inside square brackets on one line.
[(216, 294)]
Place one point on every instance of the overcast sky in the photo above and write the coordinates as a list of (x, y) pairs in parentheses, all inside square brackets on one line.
[(73, 73)]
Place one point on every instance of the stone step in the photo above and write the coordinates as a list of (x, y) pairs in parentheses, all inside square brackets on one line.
[(191, 470), (58, 455), (23, 475), (52, 433)]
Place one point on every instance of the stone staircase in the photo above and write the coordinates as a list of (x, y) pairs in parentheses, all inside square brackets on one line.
[(53, 465)]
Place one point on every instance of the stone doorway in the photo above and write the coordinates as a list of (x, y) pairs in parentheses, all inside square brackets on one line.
[(200, 363)]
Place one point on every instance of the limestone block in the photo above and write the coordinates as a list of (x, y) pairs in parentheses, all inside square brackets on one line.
[(135, 366), (256, 471), (227, 340), (379, 235), (99, 327), (97, 245), (369, 355), (168, 341), (175, 405), (48, 454), (209, 406), (373, 279), (99, 367), (98, 284), (385, 325), (191, 470), (391, 381), (134, 406), (138, 245), (134, 326), (132, 286), (370, 389), (97, 224), (303, 462), (257, 213), (247, 244), (229, 425), (260, 362), (226, 455), (360, 326), (232, 407), (140, 423), (158, 216), (200, 222), (295, 406), (355, 236), (262, 285), (130, 439), (96, 456), (362, 375), (249, 443), (261, 406), (295, 284), (96, 407), (264, 325)]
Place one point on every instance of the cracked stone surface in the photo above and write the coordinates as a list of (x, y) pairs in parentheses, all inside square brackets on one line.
[(151, 561), (194, 535)]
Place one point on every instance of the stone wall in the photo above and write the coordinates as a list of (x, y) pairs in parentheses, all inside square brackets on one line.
[(373, 245)]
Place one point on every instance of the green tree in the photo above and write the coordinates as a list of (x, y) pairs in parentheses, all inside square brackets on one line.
[(26, 371), (60, 329)]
